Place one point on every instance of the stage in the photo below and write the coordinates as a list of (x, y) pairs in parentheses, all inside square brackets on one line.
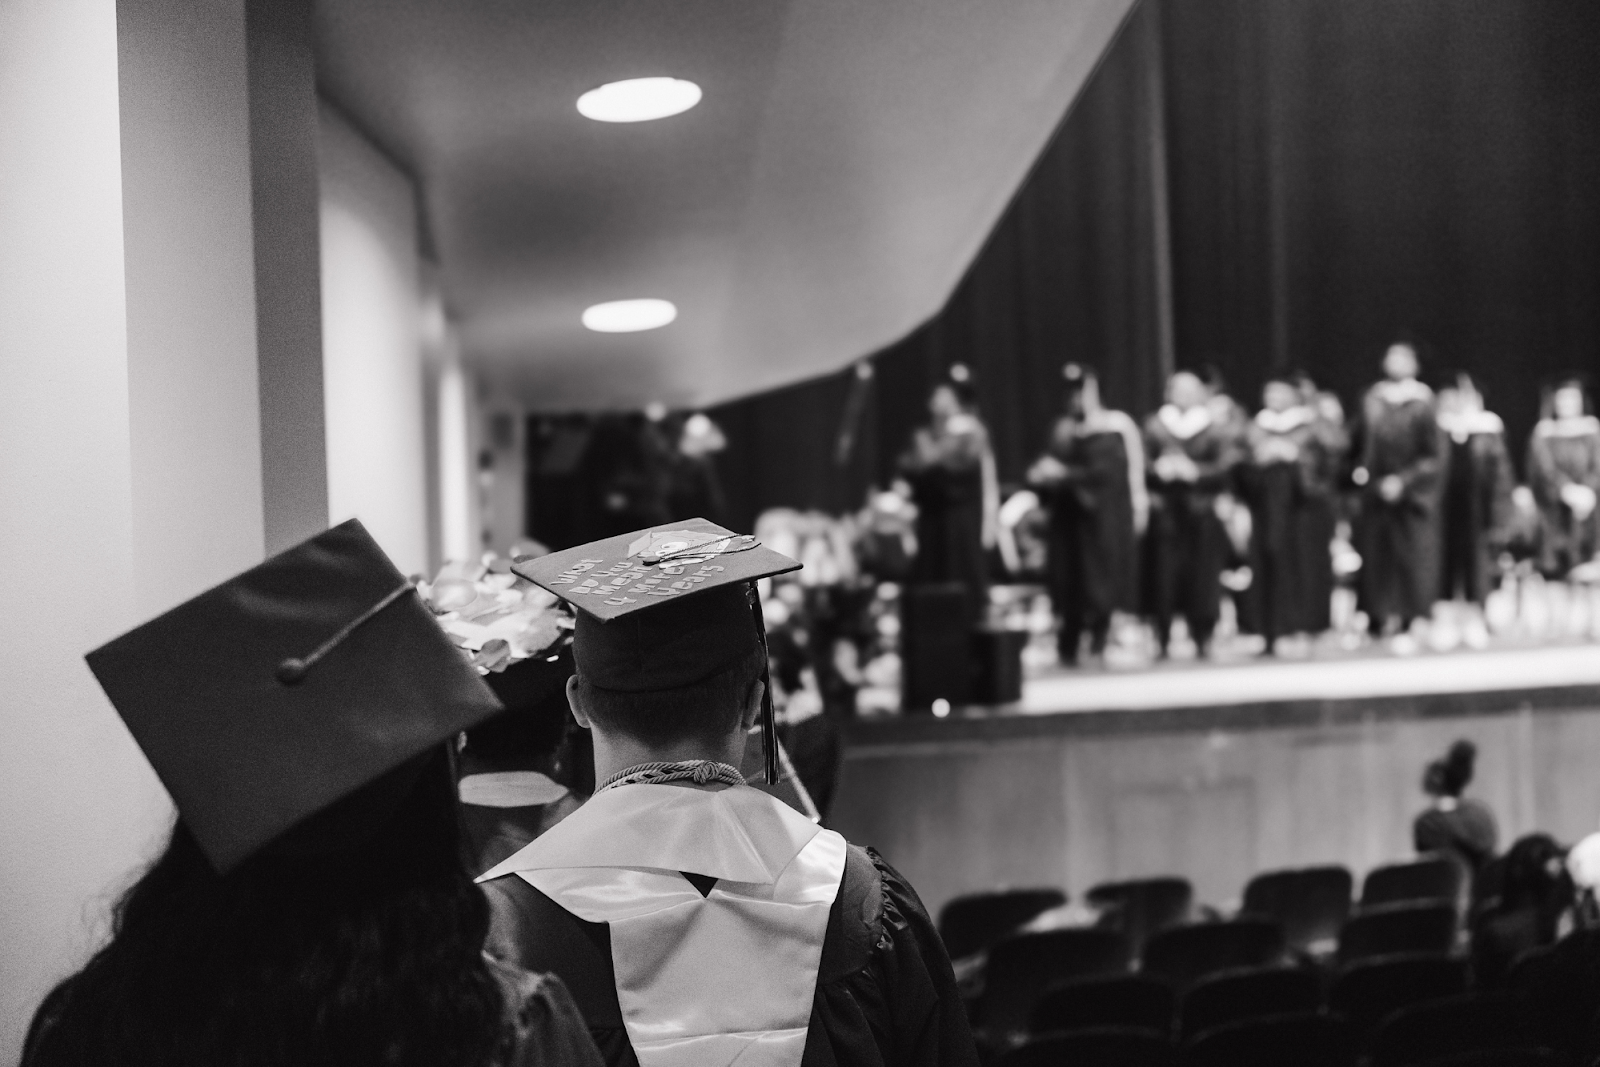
[(1215, 772)]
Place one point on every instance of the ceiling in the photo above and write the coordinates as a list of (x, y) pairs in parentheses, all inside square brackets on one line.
[(845, 165)]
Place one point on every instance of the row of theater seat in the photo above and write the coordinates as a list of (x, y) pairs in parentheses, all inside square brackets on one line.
[(1303, 972)]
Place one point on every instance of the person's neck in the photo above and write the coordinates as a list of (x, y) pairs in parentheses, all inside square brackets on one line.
[(614, 753)]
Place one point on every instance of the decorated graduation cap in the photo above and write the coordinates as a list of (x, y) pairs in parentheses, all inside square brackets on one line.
[(294, 686), (665, 607)]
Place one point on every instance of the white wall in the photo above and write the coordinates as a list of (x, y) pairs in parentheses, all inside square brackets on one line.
[(80, 805), (371, 344)]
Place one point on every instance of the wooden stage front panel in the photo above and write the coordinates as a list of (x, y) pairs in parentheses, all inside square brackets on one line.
[(1214, 793)]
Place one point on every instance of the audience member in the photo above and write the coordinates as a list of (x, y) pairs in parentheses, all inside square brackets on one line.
[(1092, 478), (1458, 826), (1191, 456), (310, 907), (1534, 897), (1476, 509), (1400, 468)]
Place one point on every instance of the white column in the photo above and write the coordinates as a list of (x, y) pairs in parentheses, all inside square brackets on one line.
[(372, 344), (195, 406), (81, 806), (460, 537)]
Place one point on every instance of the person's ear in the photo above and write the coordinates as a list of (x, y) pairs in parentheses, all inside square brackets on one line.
[(752, 704), (575, 702)]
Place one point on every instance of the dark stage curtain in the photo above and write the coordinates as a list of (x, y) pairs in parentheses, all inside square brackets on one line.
[(1261, 185)]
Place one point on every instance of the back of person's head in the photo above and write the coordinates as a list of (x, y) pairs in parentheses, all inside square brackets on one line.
[(707, 710), (1449, 776), (319, 949), (529, 732), (1536, 879)]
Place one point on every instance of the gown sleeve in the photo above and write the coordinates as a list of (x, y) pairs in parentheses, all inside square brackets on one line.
[(543, 1026), (885, 992)]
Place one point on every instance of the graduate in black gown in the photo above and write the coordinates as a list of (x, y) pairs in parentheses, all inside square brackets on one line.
[(1476, 508), (1285, 480), (696, 918), (1564, 474), (1191, 456), (1091, 479), (1400, 470), (311, 907), (1321, 509), (950, 468)]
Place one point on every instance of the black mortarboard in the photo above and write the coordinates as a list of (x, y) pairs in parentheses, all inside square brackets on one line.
[(664, 607), (263, 701)]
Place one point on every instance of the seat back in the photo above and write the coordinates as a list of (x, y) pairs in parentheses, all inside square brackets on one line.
[(1184, 954), (1020, 968), (972, 923), (1472, 1022), (1144, 906), (1392, 928), (1368, 990), (1312, 903), (1428, 878), (1503, 1057), (1114, 1000), (1248, 993), (1110, 1046), (1305, 1039)]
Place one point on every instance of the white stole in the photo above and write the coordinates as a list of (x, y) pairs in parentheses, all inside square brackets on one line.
[(701, 981)]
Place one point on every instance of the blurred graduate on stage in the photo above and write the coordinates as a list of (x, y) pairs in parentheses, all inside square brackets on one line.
[(1475, 512), (1400, 469), (1091, 479), (950, 467), (1191, 454)]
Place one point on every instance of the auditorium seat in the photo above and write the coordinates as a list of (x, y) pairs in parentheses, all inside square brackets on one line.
[(1312, 903), (1106, 1046), (1472, 1022), (1184, 954), (972, 923), (1391, 928), (1022, 966), (1503, 1057), (1530, 968), (1112, 1000), (1369, 990), (1144, 906), (1248, 993), (1428, 878), (1304, 1039)]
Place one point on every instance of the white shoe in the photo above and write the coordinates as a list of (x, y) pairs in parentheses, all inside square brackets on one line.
[(1475, 634), (1404, 645)]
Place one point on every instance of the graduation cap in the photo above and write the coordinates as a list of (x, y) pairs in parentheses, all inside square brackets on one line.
[(665, 607), (264, 701)]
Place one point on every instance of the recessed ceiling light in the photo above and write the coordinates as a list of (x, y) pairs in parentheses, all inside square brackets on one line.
[(629, 316), (639, 99)]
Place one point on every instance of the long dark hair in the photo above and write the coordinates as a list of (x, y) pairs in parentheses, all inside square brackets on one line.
[(363, 955)]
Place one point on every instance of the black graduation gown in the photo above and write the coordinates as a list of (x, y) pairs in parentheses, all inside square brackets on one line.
[(1186, 546), (885, 991), (1319, 519), (1287, 565), (1558, 456), (1475, 510), (946, 475), (1093, 546), (1400, 539)]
